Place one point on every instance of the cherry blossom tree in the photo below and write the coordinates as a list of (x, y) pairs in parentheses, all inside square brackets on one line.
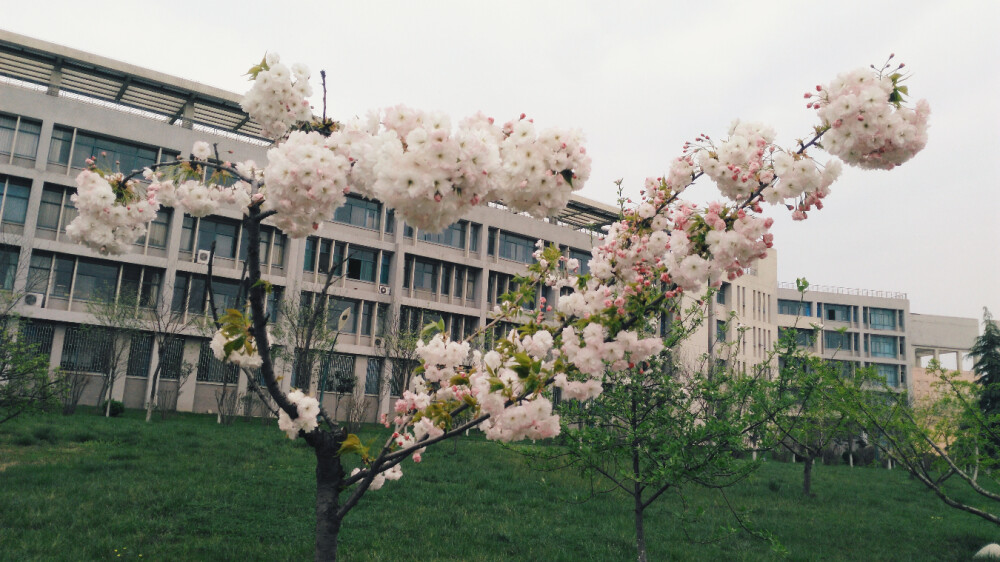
[(431, 173)]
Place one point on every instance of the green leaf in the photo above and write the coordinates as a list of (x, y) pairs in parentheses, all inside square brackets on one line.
[(801, 284), (233, 345), (257, 69), (352, 444), (266, 284)]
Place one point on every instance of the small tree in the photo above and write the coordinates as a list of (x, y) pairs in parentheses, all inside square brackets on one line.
[(24, 374), (986, 352), (118, 319)]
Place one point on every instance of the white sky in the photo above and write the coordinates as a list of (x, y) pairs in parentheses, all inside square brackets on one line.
[(640, 78)]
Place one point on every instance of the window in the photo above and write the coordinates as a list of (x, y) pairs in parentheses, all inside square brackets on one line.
[(15, 192), (222, 232), (474, 230), (337, 306), (56, 209), (361, 264), (272, 246), (400, 372), (110, 153), (39, 334), (140, 285), (890, 372), (453, 236), (837, 312), (720, 295), (158, 230), (720, 330), (833, 341), (9, 256), (86, 350), (211, 369), (390, 221), (191, 294), (383, 275), (883, 346), (424, 274), (491, 242), (373, 374), (794, 308), (139, 354), (882, 318), (517, 248), (583, 258), (803, 338), (335, 371), (172, 358), (18, 139), (360, 212), (95, 280)]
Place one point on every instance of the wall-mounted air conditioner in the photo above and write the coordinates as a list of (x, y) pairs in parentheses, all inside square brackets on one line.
[(34, 300), (384, 290), (202, 256), (379, 342)]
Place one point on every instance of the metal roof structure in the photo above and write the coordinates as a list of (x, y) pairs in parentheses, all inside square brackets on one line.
[(62, 71)]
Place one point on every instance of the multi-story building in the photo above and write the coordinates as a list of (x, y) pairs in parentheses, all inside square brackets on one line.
[(59, 107)]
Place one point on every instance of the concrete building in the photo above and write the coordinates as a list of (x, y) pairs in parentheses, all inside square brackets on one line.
[(59, 106)]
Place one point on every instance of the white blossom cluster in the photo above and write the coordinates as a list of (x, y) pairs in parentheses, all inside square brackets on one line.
[(279, 97), (866, 129), (108, 222), (308, 413), (305, 180), (238, 356), (737, 164)]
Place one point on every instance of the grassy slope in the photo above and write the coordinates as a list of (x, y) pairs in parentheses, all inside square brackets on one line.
[(81, 487)]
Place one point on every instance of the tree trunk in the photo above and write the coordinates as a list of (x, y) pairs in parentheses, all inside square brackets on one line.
[(152, 390), (640, 533), (329, 474), (807, 475)]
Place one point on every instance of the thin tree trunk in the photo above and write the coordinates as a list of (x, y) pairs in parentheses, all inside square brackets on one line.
[(329, 474), (152, 390), (807, 475)]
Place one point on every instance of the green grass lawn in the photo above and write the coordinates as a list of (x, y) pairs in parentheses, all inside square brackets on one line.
[(90, 488)]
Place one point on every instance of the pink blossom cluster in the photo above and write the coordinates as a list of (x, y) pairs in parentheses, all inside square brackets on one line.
[(430, 174), (305, 181), (866, 129), (307, 408), (592, 351), (113, 212), (541, 169), (738, 164), (279, 97)]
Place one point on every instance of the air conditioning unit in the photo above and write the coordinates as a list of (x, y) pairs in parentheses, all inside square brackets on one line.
[(384, 290), (203, 256), (378, 342), (34, 300)]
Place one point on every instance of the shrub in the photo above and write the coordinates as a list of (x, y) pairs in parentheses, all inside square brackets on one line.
[(117, 408)]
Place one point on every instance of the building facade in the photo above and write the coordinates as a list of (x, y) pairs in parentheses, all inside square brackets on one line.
[(59, 107)]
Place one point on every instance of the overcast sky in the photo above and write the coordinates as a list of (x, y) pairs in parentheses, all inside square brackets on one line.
[(640, 79)]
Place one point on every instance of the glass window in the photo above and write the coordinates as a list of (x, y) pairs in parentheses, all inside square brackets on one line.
[(383, 276), (361, 264), (8, 266), (833, 341), (837, 312), (211, 369), (882, 318), (110, 153), (180, 292), (453, 236), (367, 310), (27, 139), (803, 338), (309, 263), (172, 358), (187, 233), (55, 203), (86, 350), (472, 277), (338, 306), (583, 258), (226, 293), (15, 193), (8, 125), (890, 372), (720, 295), (157, 232), (424, 275), (139, 354), (447, 272), (474, 230), (373, 374), (360, 212), (95, 280), (883, 346), (794, 308), (38, 272), (39, 334), (390, 221), (62, 140), (517, 248), (220, 231)]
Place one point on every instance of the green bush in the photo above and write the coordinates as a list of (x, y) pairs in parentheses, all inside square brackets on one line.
[(117, 408)]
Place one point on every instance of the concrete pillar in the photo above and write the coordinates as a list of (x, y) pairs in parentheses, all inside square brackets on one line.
[(185, 394)]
